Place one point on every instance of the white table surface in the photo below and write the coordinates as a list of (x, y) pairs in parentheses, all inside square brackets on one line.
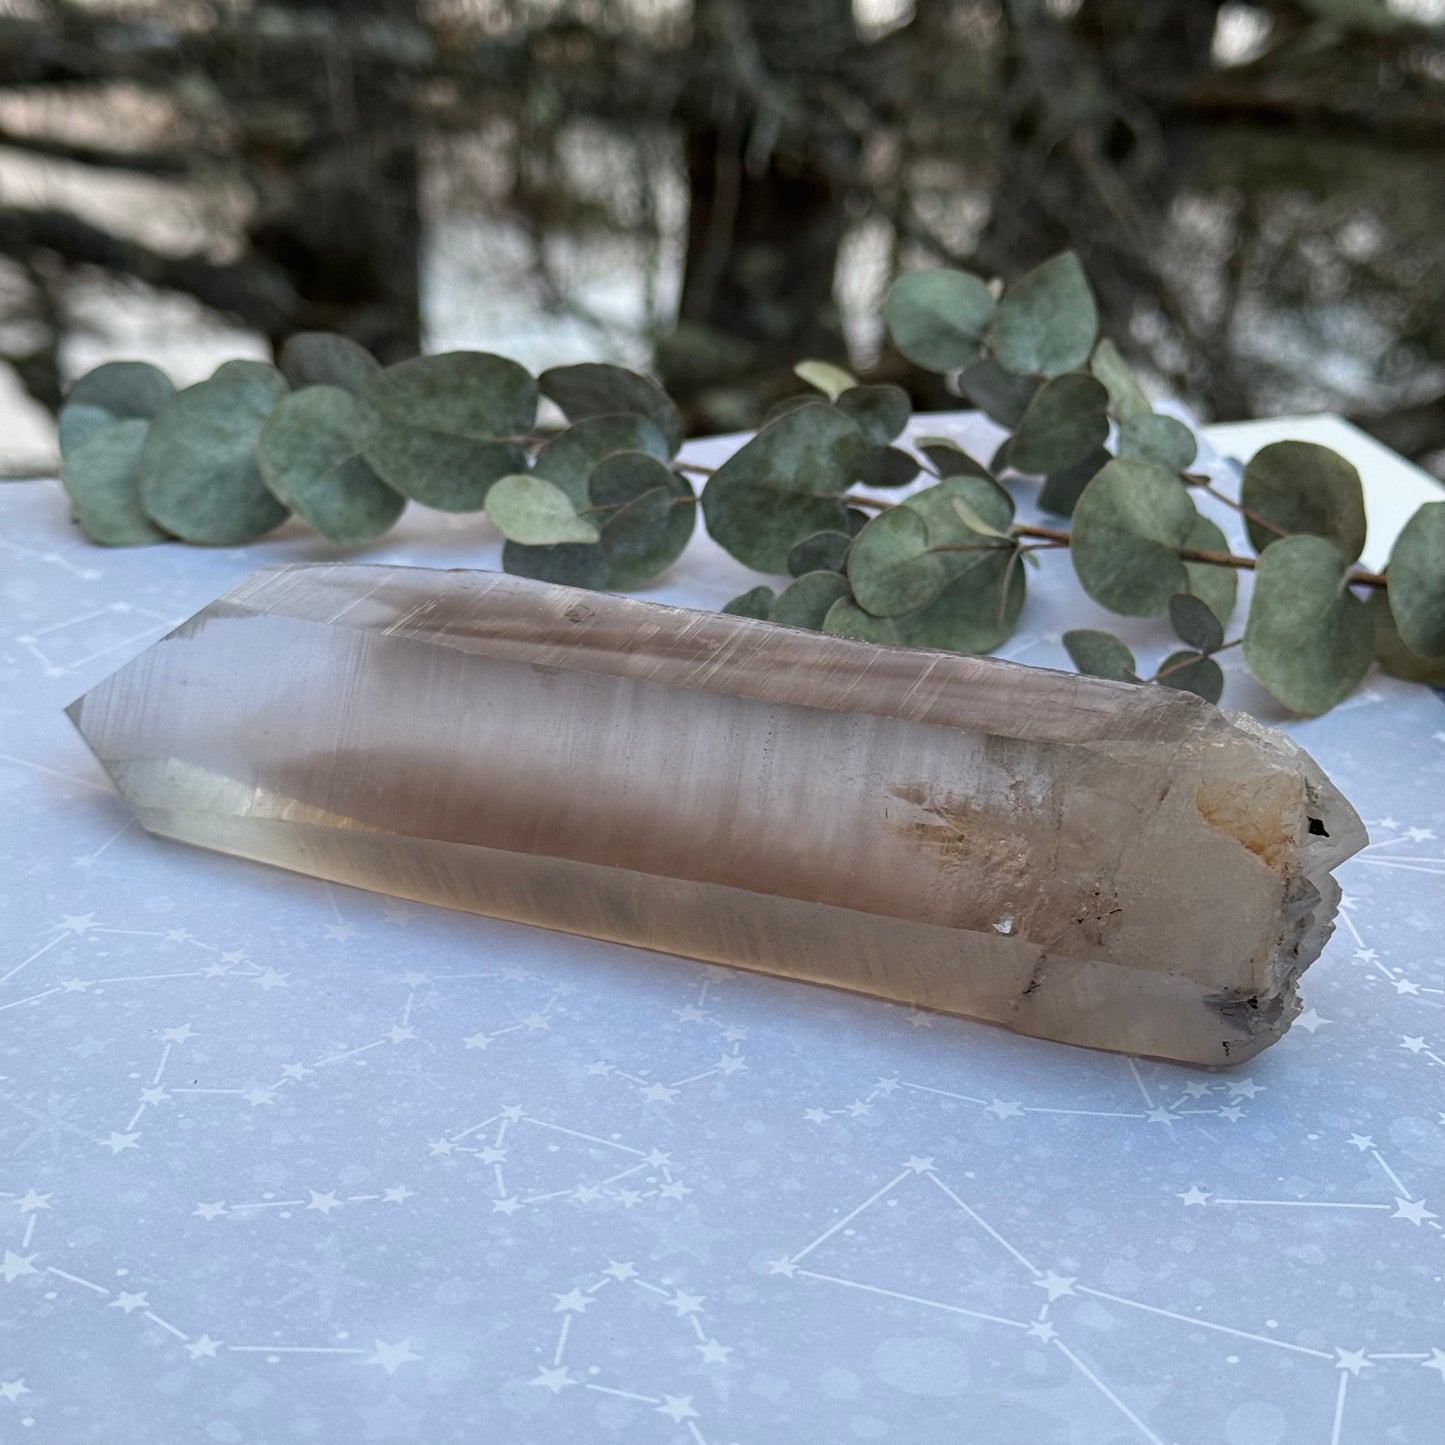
[(282, 1162)]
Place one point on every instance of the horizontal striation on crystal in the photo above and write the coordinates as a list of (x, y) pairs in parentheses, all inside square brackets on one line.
[(1105, 864)]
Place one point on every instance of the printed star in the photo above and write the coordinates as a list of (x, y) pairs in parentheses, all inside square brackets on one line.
[(675, 1190), (535, 1021), (1197, 1088), (14, 1265), (154, 1095), (1420, 835), (12, 1390), (399, 1033), (1042, 1330), (730, 1064), (620, 1270), (713, 1353), (270, 979), (510, 1205), (782, 1266), (442, 1146), (177, 1036), (1415, 1045), (1311, 1020), (178, 935), (1245, 1088), (918, 1164), (412, 979), (599, 1068), (734, 1035), (340, 932), (74, 985), (1352, 1360), (574, 1302), (476, 1041), (214, 970), (858, 1108), (1387, 823), (554, 1378), (1403, 986), (1056, 1285), (886, 1086), (512, 1113), (1234, 1113), (690, 1014), (1412, 1209), (77, 923), (1161, 1116), (1005, 1110), (1362, 1141), (396, 1194), (209, 1211), (1195, 1195), (323, 1203), (203, 1348), (391, 1357), (30, 1201), (295, 1071), (1436, 1362), (816, 1116), (258, 1095), (586, 1193), (685, 1304), (677, 1408), (117, 1142), (234, 955), (492, 1155), (659, 1093), (1365, 955), (627, 1197), (128, 1301), (658, 1160)]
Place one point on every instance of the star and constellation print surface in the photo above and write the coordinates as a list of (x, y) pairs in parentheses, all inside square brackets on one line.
[(283, 1162)]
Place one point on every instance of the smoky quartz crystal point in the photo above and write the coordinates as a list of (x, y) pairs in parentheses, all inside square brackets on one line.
[(1105, 864)]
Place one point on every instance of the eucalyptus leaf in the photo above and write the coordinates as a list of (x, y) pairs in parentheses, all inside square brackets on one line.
[(573, 564), (1061, 490), (1215, 585), (1066, 422), (444, 428), (311, 462), (887, 467), (846, 619), (1161, 439), (321, 358), (1417, 581), (949, 459), (977, 609), (822, 552), (880, 411), (1308, 639), (570, 457), (1192, 672), (597, 389), (1391, 652), (756, 602), (998, 394), (114, 391), (831, 380), (1101, 654), (1129, 525), (649, 533), (1126, 397), (199, 469), (537, 513), (1195, 622), (99, 473), (937, 317), (1047, 322), (890, 567), (982, 495), (1301, 487), (625, 476), (805, 602), (783, 485)]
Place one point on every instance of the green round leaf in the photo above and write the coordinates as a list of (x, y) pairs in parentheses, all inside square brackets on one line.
[(444, 428), (756, 602), (114, 391), (1061, 490), (649, 533), (998, 394), (783, 486), (1101, 654), (1065, 424), (321, 358), (831, 380), (880, 411), (1192, 672), (598, 389), (1160, 439), (890, 566), (822, 552), (981, 495), (805, 602), (937, 317), (1126, 396), (1195, 622), (1128, 527), (625, 476), (1391, 652), (1417, 581), (976, 611), (1047, 321), (571, 456), (310, 454), (200, 476), (573, 564), (1308, 639), (887, 467), (99, 472), (949, 459), (537, 513), (1302, 487), (1214, 585), (846, 619)]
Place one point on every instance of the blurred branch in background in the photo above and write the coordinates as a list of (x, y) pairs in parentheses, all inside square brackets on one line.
[(719, 187)]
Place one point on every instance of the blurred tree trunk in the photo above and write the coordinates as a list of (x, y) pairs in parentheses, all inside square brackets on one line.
[(330, 147)]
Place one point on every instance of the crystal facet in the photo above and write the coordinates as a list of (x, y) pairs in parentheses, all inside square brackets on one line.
[(1105, 864)]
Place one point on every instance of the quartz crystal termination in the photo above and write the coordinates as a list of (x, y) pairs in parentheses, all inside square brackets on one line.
[(1105, 864)]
